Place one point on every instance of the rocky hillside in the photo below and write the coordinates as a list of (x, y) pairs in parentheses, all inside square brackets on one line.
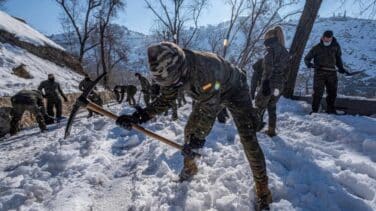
[(27, 56)]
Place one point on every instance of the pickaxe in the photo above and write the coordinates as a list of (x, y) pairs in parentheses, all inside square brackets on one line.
[(82, 101)]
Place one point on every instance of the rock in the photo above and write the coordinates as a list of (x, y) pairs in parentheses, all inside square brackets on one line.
[(21, 71)]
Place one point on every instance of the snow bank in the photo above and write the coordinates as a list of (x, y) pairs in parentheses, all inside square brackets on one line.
[(12, 56), (317, 162), (24, 32)]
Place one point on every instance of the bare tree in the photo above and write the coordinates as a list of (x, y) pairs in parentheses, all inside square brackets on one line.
[(105, 15), (81, 22), (236, 9), (262, 15), (175, 16), (299, 42)]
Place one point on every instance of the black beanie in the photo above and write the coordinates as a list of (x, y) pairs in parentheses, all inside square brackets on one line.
[(328, 33)]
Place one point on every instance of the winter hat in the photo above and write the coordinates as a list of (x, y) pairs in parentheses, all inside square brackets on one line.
[(276, 32), (328, 33), (165, 61)]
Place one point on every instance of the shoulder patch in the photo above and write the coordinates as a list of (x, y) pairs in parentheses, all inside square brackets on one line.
[(206, 87)]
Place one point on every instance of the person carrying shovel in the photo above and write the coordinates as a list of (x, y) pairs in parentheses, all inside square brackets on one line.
[(214, 84)]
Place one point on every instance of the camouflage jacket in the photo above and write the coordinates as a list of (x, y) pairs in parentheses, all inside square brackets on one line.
[(51, 89), (28, 97), (275, 66), (209, 80), (325, 56)]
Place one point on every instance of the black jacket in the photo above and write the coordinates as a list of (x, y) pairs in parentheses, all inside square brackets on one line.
[(325, 56)]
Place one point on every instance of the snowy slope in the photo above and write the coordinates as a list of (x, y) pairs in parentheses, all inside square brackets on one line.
[(318, 162), (12, 56), (24, 32)]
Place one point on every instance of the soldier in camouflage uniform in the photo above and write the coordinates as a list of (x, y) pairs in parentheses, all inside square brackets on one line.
[(326, 56), (213, 83), (93, 96), (52, 90), (31, 101), (145, 87), (130, 90), (274, 77)]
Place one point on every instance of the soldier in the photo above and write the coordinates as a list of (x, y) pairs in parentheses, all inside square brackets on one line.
[(93, 96), (31, 101), (51, 89), (326, 56), (145, 87), (213, 83), (129, 89), (274, 76)]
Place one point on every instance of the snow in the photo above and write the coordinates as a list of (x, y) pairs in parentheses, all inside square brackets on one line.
[(24, 32), (12, 56), (317, 162)]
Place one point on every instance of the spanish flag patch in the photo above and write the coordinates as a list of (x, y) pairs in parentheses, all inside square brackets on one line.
[(207, 87)]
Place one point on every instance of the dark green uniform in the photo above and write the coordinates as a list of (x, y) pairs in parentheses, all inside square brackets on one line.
[(273, 79), (51, 93), (31, 101), (129, 89), (93, 96), (145, 88), (324, 58), (214, 84)]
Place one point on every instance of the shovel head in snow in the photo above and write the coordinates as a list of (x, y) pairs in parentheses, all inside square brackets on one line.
[(81, 101)]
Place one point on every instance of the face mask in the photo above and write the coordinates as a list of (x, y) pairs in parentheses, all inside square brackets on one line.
[(51, 79), (327, 43)]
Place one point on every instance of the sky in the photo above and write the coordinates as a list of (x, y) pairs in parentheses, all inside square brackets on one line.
[(44, 14)]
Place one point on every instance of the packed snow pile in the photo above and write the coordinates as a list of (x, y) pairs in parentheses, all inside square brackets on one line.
[(24, 32), (12, 56), (317, 162)]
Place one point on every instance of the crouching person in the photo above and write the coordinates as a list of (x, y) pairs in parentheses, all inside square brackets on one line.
[(32, 101), (214, 84)]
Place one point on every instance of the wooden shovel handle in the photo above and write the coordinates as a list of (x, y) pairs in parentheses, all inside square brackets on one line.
[(138, 128)]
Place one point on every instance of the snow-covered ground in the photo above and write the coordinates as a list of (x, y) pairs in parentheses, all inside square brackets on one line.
[(317, 162), (12, 56), (24, 32)]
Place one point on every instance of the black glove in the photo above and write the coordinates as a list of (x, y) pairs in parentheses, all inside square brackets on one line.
[(138, 117), (125, 121), (310, 65), (194, 143), (266, 88)]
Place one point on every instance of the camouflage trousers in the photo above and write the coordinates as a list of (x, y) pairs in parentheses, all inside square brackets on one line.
[(239, 103), (17, 113), (268, 103)]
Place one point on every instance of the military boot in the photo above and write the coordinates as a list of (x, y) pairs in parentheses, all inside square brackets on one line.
[(271, 132), (264, 196), (189, 169)]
